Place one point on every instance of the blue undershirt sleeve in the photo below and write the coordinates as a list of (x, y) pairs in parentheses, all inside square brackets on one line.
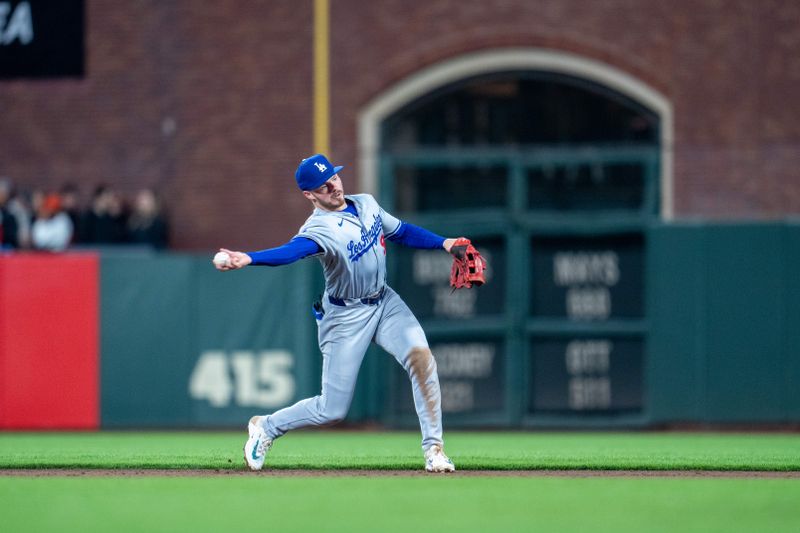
[(292, 251), (416, 237)]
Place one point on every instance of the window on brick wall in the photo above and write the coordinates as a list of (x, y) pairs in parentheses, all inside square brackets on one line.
[(580, 146)]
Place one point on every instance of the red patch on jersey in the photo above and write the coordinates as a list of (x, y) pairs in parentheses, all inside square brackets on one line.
[(383, 243)]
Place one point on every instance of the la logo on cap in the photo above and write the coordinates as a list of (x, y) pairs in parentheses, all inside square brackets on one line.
[(308, 179)]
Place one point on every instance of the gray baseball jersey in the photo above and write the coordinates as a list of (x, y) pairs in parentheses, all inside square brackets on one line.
[(358, 308), (353, 249)]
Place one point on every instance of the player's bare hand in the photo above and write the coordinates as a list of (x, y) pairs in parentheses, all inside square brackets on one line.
[(448, 244), (236, 260)]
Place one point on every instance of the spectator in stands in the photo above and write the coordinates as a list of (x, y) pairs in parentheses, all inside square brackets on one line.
[(15, 218), (21, 207), (147, 224), (52, 229), (71, 204), (8, 223), (104, 221)]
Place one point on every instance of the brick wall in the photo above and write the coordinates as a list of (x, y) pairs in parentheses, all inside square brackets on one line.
[(212, 104)]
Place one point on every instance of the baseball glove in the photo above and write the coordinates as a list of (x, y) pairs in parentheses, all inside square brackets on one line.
[(468, 265)]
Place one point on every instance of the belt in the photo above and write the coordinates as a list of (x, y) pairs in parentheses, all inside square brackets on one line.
[(375, 300)]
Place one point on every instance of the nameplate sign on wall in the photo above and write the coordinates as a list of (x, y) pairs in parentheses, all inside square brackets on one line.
[(41, 39)]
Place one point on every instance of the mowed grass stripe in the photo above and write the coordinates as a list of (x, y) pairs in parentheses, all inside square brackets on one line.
[(435, 503), (400, 450)]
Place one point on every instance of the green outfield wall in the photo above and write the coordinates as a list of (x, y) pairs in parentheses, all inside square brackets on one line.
[(185, 345), (724, 323), (701, 325), (703, 328)]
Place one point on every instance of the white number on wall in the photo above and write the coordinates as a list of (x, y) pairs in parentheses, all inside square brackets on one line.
[(244, 377)]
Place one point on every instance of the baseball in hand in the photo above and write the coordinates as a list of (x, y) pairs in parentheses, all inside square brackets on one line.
[(222, 259)]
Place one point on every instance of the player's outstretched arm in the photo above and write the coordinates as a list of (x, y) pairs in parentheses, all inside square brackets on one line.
[(416, 237), (294, 250), (236, 260)]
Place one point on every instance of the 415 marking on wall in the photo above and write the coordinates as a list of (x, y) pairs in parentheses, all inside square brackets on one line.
[(246, 378)]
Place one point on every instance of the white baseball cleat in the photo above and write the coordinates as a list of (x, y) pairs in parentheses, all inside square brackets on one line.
[(257, 445), (437, 461)]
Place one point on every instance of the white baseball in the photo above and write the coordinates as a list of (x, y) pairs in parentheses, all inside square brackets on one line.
[(222, 259)]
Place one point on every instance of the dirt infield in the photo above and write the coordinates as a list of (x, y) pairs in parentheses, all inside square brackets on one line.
[(108, 472)]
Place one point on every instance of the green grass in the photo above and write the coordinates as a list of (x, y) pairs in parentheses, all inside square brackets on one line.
[(438, 504), (261, 502), (400, 450)]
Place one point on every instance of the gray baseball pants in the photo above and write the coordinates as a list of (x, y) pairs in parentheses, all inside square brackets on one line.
[(344, 336)]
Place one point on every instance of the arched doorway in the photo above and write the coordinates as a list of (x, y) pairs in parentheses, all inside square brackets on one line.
[(583, 147), (528, 80), (555, 165)]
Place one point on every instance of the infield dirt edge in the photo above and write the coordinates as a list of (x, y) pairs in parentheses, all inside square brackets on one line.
[(282, 473)]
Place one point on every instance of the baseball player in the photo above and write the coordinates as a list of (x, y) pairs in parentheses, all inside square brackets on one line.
[(347, 234)]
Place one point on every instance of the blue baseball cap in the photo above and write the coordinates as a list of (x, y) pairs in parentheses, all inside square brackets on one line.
[(314, 171)]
